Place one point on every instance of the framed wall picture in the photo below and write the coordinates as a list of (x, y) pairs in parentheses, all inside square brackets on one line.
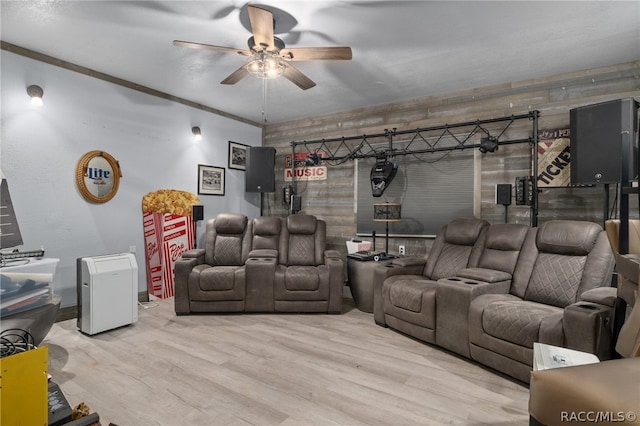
[(210, 180), (238, 156)]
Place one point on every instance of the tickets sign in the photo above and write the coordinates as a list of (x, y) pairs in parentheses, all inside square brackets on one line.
[(554, 158)]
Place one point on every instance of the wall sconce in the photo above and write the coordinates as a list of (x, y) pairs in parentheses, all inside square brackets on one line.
[(197, 134), (36, 94)]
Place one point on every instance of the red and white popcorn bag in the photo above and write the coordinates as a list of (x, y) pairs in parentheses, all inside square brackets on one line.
[(168, 233)]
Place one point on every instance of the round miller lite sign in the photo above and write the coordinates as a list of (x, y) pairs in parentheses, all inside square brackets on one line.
[(98, 176)]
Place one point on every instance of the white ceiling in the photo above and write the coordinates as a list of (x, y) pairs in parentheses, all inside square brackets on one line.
[(401, 49)]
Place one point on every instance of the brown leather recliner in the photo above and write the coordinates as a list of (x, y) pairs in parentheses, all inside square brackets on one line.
[(568, 259), (308, 278), (212, 279), (405, 290)]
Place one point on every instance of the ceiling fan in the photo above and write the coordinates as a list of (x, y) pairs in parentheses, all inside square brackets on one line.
[(268, 56)]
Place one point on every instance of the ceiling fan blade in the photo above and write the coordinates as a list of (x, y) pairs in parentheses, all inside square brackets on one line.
[(295, 76), (236, 76), (192, 45), (316, 53), (262, 26)]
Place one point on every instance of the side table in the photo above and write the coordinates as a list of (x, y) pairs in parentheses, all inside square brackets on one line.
[(360, 276)]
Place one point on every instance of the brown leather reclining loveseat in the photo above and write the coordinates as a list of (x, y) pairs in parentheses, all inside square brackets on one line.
[(509, 286), (268, 264)]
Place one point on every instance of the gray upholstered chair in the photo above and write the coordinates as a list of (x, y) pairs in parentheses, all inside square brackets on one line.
[(497, 268), (212, 279), (308, 277), (405, 290), (568, 259)]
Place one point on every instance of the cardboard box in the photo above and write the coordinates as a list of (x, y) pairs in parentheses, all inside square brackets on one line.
[(354, 246)]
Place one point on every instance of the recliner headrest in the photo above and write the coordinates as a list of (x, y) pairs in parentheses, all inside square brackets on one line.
[(230, 223), (506, 236), (464, 232), (568, 237), (301, 224), (266, 225)]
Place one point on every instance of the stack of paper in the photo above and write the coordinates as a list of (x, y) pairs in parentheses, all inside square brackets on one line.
[(548, 356)]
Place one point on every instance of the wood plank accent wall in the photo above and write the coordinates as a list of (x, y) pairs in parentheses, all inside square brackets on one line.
[(334, 201)]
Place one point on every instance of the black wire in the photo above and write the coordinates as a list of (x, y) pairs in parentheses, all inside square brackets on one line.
[(614, 206), (15, 340)]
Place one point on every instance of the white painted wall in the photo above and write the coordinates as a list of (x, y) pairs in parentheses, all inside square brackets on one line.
[(150, 137)]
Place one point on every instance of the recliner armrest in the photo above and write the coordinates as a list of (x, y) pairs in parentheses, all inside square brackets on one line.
[(194, 253), (259, 279), (410, 261), (332, 254), (588, 327), (601, 295), (334, 262), (263, 254), (181, 270), (484, 275), (453, 300)]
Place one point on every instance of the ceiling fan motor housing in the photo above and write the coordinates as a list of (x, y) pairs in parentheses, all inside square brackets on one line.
[(278, 45)]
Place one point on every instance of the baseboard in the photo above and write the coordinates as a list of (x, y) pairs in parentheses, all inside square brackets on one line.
[(67, 313), (71, 312)]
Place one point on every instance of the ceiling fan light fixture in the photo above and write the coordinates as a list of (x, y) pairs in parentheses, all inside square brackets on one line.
[(266, 65)]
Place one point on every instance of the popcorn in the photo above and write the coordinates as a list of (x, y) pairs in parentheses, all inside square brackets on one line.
[(169, 201)]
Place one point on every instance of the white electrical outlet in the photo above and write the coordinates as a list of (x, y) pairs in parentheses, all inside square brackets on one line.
[(132, 249), (401, 250)]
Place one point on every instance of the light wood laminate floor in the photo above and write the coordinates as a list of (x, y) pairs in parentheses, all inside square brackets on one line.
[(279, 369)]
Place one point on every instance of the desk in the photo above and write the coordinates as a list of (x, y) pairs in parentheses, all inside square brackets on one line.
[(360, 276)]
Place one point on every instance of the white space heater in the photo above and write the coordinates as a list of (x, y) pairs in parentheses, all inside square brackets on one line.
[(107, 292)]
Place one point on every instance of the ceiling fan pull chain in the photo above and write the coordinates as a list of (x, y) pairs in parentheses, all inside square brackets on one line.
[(264, 100)]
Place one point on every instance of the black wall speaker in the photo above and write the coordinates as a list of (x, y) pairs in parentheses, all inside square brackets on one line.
[(503, 194), (296, 203), (604, 142), (197, 212), (260, 175)]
